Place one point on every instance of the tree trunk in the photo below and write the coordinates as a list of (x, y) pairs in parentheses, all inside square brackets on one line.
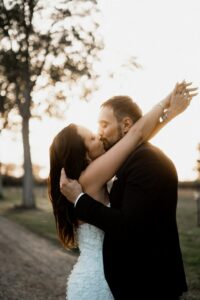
[(1, 185), (28, 195)]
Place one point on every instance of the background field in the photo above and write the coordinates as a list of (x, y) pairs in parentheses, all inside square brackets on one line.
[(41, 221)]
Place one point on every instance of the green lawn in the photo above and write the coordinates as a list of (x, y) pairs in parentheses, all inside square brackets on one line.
[(190, 241), (41, 221)]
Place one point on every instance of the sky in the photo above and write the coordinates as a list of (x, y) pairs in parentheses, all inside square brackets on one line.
[(164, 38)]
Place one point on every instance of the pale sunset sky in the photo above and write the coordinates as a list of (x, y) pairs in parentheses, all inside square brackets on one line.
[(164, 36)]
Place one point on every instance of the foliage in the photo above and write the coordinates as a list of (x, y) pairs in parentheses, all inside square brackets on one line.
[(42, 46)]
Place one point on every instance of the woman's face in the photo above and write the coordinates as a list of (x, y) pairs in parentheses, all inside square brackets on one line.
[(92, 142)]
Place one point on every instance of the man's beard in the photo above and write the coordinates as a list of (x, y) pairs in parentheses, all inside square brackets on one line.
[(107, 144)]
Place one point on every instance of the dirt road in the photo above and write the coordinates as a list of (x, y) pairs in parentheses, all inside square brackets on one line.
[(31, 268)]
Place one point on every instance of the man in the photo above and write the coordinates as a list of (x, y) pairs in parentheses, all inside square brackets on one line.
[(141, 251)]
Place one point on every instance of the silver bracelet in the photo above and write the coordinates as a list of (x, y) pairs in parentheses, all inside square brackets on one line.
[(164, 117)]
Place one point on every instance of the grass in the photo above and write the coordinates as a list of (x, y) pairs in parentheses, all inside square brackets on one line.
[(190, 241), (41, 221)]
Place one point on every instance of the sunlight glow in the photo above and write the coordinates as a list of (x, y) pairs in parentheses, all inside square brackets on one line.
[(164, 36)]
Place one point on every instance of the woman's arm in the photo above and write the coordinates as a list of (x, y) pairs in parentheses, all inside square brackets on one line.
[(104, 167), (176, 107)]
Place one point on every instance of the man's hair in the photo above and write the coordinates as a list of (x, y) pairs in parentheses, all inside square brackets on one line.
[(123, 106)]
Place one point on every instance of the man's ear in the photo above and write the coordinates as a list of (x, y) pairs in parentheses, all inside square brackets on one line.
[(127, 123)]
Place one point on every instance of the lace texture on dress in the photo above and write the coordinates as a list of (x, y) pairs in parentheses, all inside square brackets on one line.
[(87, 280)]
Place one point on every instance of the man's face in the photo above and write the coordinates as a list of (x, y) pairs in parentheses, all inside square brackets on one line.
[(110, 129)]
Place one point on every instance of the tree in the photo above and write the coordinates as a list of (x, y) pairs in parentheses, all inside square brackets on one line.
[(4, 122), (41, 46), (1, 185)]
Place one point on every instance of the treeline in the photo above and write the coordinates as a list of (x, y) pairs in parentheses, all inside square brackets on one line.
[(8, 181), (17, 181), (189, 184)]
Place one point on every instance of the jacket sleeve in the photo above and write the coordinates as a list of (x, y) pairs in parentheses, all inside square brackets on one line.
[(142, 182)]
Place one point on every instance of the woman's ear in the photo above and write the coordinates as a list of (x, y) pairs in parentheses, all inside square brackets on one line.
[(127, 123)]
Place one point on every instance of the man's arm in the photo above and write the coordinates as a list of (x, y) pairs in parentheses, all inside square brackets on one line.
[(134, 212), (133, 216)]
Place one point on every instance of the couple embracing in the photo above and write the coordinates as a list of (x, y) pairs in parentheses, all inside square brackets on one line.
[(128, 237)]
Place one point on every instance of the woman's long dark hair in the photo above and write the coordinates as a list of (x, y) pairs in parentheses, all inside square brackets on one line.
[(67, 151)]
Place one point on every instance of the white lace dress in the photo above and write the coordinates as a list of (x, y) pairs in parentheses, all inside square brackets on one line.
[(87, 281)]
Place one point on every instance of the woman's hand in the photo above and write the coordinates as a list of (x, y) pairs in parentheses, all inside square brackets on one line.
[(183, 89), (180, 98)]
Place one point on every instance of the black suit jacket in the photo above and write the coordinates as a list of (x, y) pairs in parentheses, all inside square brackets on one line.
[(141, 251)]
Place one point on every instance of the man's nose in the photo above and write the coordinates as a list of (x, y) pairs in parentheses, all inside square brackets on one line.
[(99, 136), (100, 132)]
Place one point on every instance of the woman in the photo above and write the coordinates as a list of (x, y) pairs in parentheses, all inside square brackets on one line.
[(80, 153)]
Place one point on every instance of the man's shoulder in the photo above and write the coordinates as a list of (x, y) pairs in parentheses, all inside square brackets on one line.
[(145, 153), (146, 149)]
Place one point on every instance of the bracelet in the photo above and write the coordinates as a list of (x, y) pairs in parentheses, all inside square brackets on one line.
[(164, 117), (159, 105)]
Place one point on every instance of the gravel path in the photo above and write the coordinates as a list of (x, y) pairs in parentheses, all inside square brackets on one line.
[(31, 268)]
